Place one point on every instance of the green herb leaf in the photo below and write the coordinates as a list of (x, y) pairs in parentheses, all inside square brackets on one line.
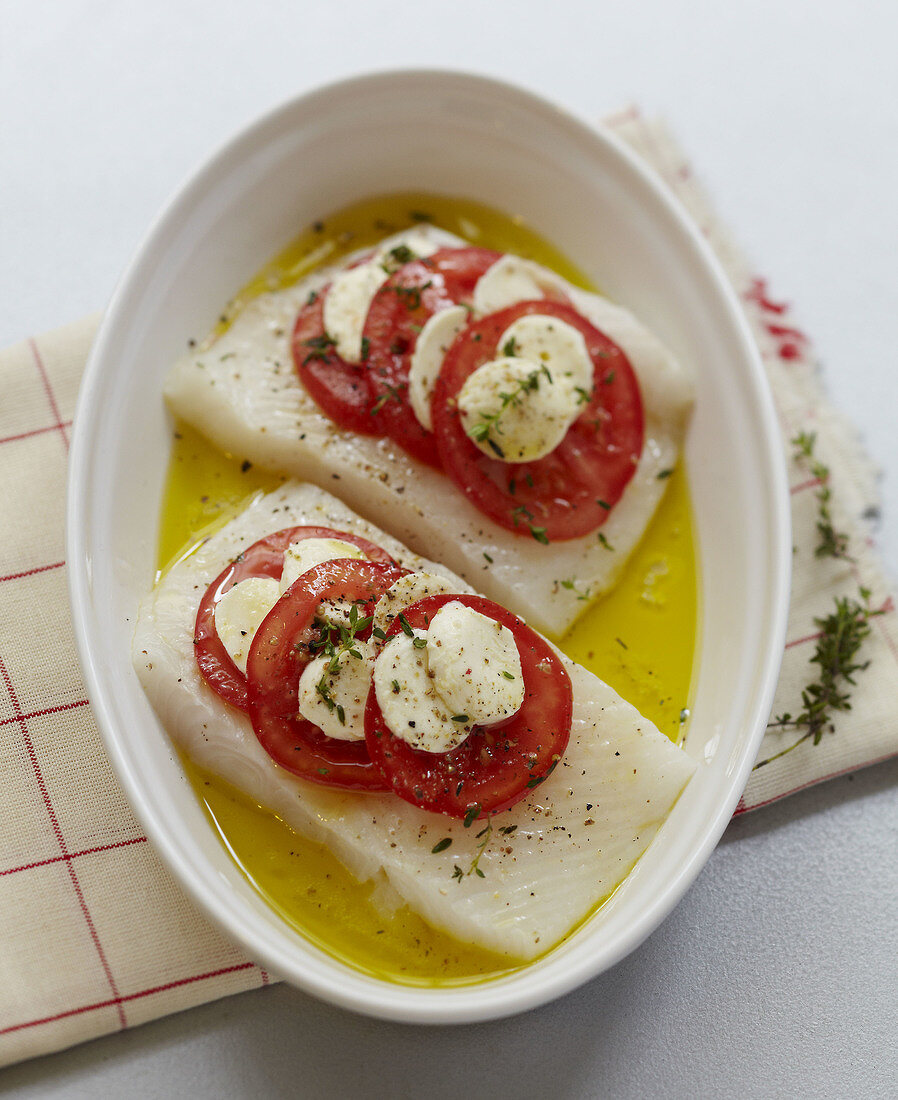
[(472, 815), (441, 845)]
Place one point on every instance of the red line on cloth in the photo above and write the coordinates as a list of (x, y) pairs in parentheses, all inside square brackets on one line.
[(45, 795), (118, 1001), (758, 293), (628, 114), (742, 807), (809, 484), (51, 397), (36, 431), (31, 572), (887, 607), (265, 976), (43, 713), (75, 855)]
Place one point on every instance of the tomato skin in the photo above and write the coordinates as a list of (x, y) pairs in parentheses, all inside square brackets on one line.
[(565, 492), (277, 658), (476, 774), (400, 309), (265, 558), (341, 390)]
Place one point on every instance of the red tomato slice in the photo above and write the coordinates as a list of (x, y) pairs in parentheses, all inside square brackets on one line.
[(277, 657), (339, 389), (571, 491), (264, 558), (398, 312), (496, 765)]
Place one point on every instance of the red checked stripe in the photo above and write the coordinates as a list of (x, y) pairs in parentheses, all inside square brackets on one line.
[(31, 572), (811, 483), (42, 713), (51, 397), (36, 431), (74, 855), (119, 1001), (51, 813)]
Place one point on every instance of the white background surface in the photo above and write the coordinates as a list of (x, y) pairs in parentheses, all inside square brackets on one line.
[(777, 974)]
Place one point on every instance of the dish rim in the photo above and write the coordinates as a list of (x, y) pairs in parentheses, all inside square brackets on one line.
[(480, 1000)]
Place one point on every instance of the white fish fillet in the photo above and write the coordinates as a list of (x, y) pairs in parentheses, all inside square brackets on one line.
[(243, 393), (578, 833)]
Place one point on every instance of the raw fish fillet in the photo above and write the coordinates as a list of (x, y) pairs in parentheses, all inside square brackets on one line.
[(242, 392), (577, 834)]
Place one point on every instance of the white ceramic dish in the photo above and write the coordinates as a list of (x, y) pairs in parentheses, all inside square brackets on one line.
[(459, 135)]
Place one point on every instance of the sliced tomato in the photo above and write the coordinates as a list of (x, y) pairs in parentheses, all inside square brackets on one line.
[(339, 389), (570, 492), (399, 311), (279, 653), (264, 558), (496, 765)]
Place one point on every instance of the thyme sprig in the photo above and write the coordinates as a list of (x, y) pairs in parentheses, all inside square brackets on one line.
[(347, 638), (480, 431), (483, 836), (842, 633), (831, 543)]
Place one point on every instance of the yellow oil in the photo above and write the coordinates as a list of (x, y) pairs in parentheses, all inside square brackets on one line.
[(640, 638)]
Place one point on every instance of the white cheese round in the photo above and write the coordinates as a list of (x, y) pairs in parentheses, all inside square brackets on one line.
[(518, 408), (239, 614), (306, 553), (336, 703), (475, 664), (548, 340), (434, 340), (406, 591), (352, 291), (512, 279), (410, 705), (346, 307)]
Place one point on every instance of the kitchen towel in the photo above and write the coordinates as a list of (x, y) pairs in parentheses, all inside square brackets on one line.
[(95, 935)]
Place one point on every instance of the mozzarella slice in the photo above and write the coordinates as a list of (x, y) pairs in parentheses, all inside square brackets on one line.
[(434, 340), (346, 307), (513, 279), (352, 291), (239, 614), (410, 705), (511, 411), (303, 554), (553, 343), (406, 591), (475, 665), (519, 407), (335, 701), (422, 243)]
